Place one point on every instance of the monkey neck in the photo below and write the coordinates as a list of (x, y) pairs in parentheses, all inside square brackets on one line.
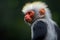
[(37, 19)]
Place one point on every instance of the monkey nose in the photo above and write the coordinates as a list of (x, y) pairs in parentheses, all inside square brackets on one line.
[(27, 18)]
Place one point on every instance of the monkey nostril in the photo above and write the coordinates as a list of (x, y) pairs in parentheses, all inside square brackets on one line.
[(27, 18)]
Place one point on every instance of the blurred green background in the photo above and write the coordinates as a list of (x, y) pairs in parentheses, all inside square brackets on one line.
[(12, 25)]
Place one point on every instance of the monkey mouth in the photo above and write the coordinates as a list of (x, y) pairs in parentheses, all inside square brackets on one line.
[(29, 20)]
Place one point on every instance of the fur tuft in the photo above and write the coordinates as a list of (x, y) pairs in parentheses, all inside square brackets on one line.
[(33, 6)]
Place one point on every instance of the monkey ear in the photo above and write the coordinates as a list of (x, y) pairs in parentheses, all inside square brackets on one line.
[(42, 12)]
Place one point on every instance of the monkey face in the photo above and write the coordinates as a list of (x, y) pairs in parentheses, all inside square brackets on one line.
[(29, 16)]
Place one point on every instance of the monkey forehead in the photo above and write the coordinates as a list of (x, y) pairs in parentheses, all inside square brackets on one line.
[(27, 8), (33, 6)]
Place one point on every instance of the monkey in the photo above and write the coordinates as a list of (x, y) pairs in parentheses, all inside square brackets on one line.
[(38, 16)]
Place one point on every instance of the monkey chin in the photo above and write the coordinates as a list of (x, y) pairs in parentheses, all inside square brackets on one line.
[(29, 21)]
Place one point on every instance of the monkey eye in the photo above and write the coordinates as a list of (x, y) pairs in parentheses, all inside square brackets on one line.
[(31, 13), (28, 13)]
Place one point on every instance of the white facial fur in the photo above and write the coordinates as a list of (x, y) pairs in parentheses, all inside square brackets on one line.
[(37, 6)]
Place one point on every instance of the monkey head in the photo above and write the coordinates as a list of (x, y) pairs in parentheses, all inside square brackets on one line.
[(34, 11)]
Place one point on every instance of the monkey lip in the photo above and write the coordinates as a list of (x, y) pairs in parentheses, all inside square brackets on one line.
[(28, 19)]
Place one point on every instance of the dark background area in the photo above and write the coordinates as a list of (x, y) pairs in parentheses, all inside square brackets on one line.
[(12, 25)]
